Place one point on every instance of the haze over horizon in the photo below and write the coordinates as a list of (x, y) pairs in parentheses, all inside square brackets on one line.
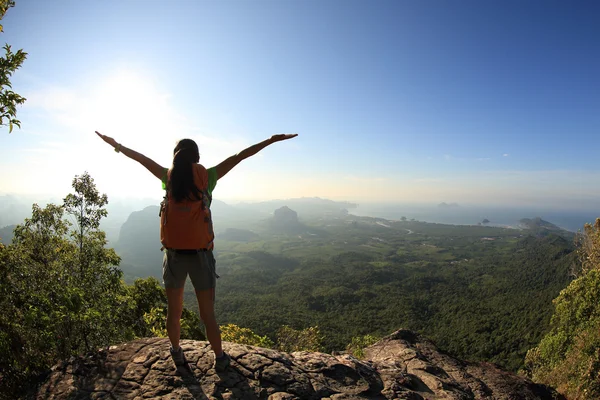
[(406, 102)]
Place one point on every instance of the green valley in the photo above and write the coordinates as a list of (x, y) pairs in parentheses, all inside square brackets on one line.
[(481, 293)]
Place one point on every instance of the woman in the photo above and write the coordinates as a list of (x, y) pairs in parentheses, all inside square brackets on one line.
[(189, 189)]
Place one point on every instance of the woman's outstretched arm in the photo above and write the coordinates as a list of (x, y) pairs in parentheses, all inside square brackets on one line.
[(225, 166), (150, 165)]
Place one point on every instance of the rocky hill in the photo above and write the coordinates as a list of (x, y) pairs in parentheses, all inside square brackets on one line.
[(539, 227), (400, 366), (285, 216)]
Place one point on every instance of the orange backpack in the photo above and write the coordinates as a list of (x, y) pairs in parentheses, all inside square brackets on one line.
[(187, 225)]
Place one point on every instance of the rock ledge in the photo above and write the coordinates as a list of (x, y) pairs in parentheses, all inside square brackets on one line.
[(400, 366)]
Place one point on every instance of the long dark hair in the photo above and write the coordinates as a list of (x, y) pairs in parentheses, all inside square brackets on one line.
[(181, 181)]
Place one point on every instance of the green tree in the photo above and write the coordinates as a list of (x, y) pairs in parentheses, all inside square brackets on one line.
[(146, 295), (61, 293), (290, 339), (148, 312), (86, 205), (35, 297), (95, 267), (568, 357), (589, 248), (11, 61), (359, 343), (50, 311), (236, 334)]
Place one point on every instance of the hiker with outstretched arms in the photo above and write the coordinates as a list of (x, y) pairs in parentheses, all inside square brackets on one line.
[(186, 233)]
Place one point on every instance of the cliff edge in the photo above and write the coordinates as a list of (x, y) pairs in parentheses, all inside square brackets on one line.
[(403, 365)]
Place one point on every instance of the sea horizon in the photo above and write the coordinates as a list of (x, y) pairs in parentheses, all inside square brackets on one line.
[(501, 216)]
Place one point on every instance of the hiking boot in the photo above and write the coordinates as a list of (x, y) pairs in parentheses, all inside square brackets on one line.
[(221, 363), (178, 357)]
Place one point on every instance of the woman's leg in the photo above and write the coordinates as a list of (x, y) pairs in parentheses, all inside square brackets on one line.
[(206, 306), (174, 309)]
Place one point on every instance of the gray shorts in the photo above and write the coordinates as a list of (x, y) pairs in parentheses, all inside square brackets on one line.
[(200, 266)]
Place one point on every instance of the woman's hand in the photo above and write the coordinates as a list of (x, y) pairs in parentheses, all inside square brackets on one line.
[(226, 165), (282, 136), (150, 165), (107, 139)]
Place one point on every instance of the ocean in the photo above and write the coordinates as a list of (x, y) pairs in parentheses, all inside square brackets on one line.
[(571, 220)]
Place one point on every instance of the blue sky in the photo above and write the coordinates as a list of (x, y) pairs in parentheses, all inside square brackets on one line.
[(407, 101)]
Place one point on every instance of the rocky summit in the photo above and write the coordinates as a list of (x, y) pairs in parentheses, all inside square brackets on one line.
[(403, 365)]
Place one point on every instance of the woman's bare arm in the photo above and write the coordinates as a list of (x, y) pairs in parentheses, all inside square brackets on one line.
[(150, 165), (225, 166)]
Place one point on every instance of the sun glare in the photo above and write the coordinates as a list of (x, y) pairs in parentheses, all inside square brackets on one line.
[(124, 104)]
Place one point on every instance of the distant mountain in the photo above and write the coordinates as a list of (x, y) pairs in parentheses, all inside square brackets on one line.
[(542, 228), (6, 234), (285, 216), (305, 206), (141, 226), (139, 244), (448, 205), (14, 209), (119, 210), (285, 220), (536, 223)]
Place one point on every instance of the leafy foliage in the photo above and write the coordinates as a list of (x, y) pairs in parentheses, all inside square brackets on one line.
[(589, 248), (53, 306), (147, 310), (481, 293), (359, 343), (290, 339), (11, 61), (62, 293), (568, 357), (236, 334), (86, 205)]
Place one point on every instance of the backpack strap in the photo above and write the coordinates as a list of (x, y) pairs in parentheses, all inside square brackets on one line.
[(165, 201)]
